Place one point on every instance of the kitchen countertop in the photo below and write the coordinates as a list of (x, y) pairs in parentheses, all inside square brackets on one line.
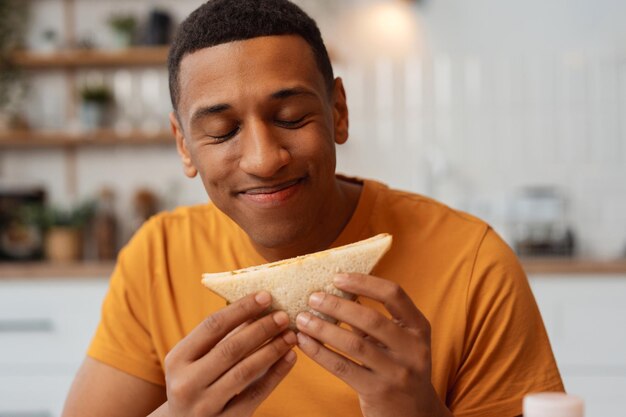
[(573, 266), (87, 269), (94, 269)]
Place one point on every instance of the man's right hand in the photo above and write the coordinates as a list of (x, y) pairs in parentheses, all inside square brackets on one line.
[(230, 363)]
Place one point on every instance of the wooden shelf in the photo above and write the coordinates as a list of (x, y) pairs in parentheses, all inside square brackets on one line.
[(91, 269), (37, 139), (92, 58), (573, 266)]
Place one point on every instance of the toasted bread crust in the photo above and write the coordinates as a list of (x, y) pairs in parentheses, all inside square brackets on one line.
[(292, 281)]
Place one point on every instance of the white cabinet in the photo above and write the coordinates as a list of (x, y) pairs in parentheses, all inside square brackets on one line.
[(45, 328), (586, 319)]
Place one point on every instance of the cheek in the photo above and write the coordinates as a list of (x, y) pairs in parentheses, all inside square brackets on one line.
[(315, 145), (323, 152), (214, 166)]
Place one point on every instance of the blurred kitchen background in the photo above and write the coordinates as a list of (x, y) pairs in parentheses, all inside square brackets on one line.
[(514, 111)]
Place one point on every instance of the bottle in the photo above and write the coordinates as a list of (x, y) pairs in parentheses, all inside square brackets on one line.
[(145, 205), (553, 404), (105, 226)]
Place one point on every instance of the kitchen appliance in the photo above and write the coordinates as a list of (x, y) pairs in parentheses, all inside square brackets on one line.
[(540, 223), (159, 28), (21, 236)]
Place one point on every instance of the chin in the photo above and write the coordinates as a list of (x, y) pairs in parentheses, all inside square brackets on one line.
[(276, 236)]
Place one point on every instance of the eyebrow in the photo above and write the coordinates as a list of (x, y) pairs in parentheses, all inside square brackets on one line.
[(208, 110), (290, 92)]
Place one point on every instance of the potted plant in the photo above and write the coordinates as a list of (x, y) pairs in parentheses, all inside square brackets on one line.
[(96, 106), (123, 26), (49, 41), (63, 230), (13, 19)]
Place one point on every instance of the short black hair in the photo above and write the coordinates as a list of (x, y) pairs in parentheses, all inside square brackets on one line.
[(221, 21)]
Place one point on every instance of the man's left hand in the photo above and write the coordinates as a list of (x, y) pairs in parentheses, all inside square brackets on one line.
[(387, 361)]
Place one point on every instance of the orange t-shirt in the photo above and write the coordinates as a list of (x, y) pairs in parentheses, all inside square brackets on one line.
[(489, 345)]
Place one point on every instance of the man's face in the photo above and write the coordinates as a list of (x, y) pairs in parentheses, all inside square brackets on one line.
[(259, 127)]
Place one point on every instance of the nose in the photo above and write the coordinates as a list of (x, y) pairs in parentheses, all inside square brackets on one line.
[(262, 154)]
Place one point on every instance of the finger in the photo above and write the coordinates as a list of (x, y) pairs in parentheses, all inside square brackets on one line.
[(255, 394), (357, 348), (229, 352), (352, 374), (360, 332), (364, 318), (213, 329), (356, 330), (390, 294), (365, 336), (253, 367), (237, 329)]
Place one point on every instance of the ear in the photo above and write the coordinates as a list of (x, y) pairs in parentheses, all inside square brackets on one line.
[(340, 112), (181, 146)]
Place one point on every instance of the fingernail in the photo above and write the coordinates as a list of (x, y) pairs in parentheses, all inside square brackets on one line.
[(280, 318), (302, 339), (290, 357), (315, 299), (290, 338), (303, 319), (341, 279), (263, 298)]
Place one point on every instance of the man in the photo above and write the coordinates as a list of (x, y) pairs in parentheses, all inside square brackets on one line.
[(446, 326)]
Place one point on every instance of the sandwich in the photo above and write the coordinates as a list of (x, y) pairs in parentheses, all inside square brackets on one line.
[(292, 281)]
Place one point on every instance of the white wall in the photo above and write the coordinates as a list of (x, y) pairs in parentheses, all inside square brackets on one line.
[(502, 94)]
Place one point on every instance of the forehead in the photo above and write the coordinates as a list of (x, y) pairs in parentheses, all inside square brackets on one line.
[(253, 67)]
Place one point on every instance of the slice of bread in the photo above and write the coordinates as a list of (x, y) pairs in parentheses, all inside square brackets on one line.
[(292, 281)]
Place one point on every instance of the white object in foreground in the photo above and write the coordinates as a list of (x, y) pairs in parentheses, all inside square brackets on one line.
[(553, 404)]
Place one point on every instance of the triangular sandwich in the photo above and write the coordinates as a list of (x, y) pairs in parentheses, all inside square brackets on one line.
[(292, 281)]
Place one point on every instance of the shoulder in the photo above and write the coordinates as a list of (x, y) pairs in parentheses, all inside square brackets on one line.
[(417, 205), (184, 214), (497, 270), (181, 221), (170, 246), (166, 232), (445, 242), (430, 224)]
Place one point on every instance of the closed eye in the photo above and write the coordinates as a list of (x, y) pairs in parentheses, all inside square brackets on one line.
[(291, 124), (227, 136)]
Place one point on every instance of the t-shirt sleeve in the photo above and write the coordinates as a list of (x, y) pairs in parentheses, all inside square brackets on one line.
[(122, 339), (506, 353)]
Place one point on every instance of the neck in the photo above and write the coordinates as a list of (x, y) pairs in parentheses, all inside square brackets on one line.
[(325, 232)]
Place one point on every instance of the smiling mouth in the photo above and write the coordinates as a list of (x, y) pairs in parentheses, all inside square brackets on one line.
[(273, 196), (272, 189)]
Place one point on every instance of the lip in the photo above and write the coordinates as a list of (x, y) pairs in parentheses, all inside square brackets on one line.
[(274, 194)]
